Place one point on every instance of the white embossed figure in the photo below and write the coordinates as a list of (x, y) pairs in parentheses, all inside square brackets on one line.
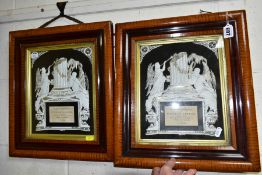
[(204, 90), (42, 90), (155, 84), (79, 91), (42, 86), (45, 82), (203, 82)]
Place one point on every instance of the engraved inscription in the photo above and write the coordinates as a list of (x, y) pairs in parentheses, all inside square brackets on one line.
[(181, 116), (61, 114)]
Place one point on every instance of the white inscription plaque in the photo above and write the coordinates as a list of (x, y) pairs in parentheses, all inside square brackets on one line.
[(61, 114), (182, 116)]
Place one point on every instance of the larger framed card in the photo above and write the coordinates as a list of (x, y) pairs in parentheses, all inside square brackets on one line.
[(61, 92), (181, 92)]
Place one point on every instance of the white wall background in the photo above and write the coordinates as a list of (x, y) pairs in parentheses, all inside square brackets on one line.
[(25, 14)]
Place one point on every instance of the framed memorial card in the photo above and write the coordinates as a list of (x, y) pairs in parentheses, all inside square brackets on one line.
[(181, 93), (60, 86)]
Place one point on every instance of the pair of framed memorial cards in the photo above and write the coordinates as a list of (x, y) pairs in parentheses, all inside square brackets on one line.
[(178, 92)]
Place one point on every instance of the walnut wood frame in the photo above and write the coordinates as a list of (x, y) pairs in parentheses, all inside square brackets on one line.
[(243, 153), (19, 144)]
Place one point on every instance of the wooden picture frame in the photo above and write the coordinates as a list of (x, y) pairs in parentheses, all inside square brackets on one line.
[(60, 92), (181, 92)]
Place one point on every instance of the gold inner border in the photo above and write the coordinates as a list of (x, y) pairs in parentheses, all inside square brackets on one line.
[(78, 137), (224, 92)]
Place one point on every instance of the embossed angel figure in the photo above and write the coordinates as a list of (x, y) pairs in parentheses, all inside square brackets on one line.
[(79, 84), (43, 81), (76, 65), (154, 85), (42, 86), (203, 82)]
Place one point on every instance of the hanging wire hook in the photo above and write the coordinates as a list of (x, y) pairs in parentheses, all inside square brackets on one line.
[(61, 7)]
